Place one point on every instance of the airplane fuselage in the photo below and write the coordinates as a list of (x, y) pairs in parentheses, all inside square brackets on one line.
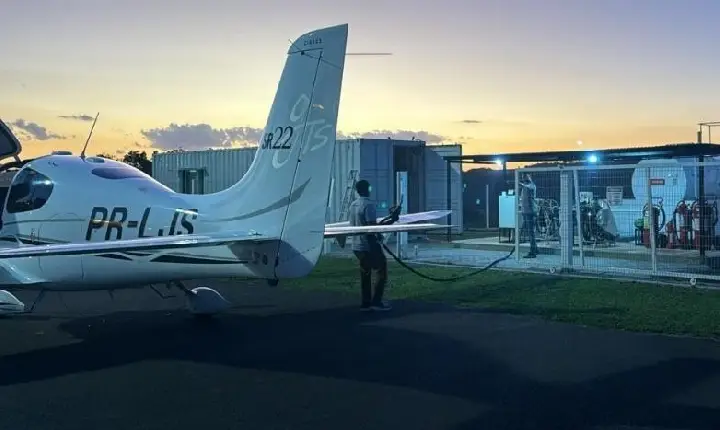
[(115, 202)]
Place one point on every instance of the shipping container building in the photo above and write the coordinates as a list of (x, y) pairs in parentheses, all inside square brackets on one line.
[(376, 160)]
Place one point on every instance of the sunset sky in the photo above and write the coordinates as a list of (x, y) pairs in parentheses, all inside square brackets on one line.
[(495, 75)]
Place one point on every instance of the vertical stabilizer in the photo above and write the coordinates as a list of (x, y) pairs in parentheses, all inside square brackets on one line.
[(304, 227), (285, 190)]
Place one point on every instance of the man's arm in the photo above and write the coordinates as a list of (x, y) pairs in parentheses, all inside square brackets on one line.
[(529, 185)]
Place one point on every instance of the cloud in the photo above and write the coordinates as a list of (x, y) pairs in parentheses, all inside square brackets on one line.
[(33, 130), (204, 136), (502, 122), (201, 136), (78, 117)]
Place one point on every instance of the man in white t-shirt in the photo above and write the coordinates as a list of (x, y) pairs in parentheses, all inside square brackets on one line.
[(528, 209)]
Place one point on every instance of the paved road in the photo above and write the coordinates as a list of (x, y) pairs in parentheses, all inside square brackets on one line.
[(296, 360)]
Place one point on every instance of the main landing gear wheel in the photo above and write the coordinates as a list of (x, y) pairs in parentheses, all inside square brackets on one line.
[(693, 282), (273, 282), (203, 302)]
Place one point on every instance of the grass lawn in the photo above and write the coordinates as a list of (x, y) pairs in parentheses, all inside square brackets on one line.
[(605, 303)]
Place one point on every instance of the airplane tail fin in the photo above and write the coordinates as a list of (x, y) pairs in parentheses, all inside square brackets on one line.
[(285, 191)]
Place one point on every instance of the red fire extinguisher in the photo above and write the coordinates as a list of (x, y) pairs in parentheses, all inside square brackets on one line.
[(682, 220), (656, 211), (708, 213), (672, 242)]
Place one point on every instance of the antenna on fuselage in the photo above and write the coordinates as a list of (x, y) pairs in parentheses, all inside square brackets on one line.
[(82, 154)]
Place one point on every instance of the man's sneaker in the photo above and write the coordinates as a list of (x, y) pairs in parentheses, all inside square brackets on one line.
[(384, 306), (365, 308)]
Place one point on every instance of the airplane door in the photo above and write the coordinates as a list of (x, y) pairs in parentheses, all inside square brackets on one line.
[(61, 228)]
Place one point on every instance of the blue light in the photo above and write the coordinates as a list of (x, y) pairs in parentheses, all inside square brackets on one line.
[(593, 158)]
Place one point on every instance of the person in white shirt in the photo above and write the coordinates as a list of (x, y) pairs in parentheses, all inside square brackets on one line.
[(368, 250), (528, 209)]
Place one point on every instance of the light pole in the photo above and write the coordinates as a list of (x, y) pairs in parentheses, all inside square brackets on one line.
[(709, 125)]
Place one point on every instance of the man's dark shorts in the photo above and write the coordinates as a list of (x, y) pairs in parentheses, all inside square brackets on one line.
[(372, 260)]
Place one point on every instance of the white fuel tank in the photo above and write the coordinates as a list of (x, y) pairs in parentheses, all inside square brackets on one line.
[(674, 180), (667, 177)]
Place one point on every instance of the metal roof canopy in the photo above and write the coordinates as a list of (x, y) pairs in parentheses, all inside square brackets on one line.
[(602, 155)]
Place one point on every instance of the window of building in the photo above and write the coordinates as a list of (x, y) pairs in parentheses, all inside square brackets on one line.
[(192, 181)]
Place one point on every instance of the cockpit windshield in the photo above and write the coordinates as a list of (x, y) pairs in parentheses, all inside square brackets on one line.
[(29, 190)]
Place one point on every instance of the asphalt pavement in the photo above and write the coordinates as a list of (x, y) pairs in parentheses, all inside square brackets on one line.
[(284, 359)]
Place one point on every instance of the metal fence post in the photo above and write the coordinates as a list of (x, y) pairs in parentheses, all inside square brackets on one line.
[(567, 237), (487, 206), (578, 217), (517, 215), (448, 199), (651, 222)]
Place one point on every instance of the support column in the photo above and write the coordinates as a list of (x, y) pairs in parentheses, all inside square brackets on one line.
[(401, 179)]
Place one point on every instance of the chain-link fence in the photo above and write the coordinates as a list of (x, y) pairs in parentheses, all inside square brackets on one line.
[(644, 219), (639, 220)]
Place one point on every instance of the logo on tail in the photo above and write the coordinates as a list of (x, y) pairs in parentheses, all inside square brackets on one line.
[(295, 132)]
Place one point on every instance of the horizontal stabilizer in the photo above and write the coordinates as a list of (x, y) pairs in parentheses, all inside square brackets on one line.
[(404, 219), (393, 228), (149, 243)]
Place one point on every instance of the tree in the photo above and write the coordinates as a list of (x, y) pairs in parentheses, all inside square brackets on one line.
[(138, 160), (106, 156)]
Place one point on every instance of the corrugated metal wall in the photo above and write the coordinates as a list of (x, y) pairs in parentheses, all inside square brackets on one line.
[(223, 168), (347, 158), (373, 158), (377, 167), (436, 183)]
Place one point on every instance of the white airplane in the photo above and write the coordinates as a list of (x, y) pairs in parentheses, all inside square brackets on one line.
[(72, 223)]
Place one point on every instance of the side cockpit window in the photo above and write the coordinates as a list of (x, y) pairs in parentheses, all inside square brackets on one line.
[(123, 171), (118, 172), (29, 190)]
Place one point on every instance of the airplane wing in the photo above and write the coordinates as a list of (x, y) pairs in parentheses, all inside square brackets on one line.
[(338, 230), (365, 229), (404, 219), (165, 242)]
